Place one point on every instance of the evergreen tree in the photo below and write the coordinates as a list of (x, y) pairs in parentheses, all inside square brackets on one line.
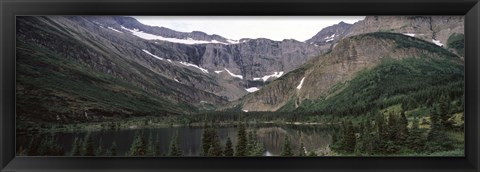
[(151, 145), (301, 150), (228, 148), (99, 151), (392, 127), (286, 148), (215, 149), (402, 129), (206, 140), (350, 138), (113, 149), (157, 146), (415, 140), (76, 147), (259, 149), (139, 146), (444, 112), (437, 140), (363, 141), (241, 148), (174, 149), (251, 143), (88, 145)]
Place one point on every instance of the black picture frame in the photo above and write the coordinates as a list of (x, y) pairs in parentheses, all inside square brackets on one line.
[(10, 8)]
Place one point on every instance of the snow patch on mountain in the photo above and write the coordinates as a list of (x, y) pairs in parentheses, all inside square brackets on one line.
[(152, 54), (149, 36), (194, 65), (437, 42), (232, 74), (301, 83), (409, 34), (111, 28), (266, 77), (252, 89), (329, 38), (218, 71)]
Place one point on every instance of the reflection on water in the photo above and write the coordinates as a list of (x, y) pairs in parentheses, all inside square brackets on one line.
[(315, 138)]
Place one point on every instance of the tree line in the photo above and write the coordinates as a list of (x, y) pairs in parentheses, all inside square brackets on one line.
[(391, 134)]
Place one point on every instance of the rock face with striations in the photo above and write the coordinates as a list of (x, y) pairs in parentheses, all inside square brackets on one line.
[(351, 55)]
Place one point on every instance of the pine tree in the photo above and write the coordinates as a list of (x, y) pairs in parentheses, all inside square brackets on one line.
[(99, 151), (76, 147), (228, 148), (444, 112), (350, 138), (241, 148), (392, 127), (206, 140), (157, 146), (251, 143), (174, 150), (301, 150), (286, 148), (113, 149), (215, 149), (259, 149), (415, 140), (151, 145), (402, 129), (139, 146), (363, 141), (88, 145)]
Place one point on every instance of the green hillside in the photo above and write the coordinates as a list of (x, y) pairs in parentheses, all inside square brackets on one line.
[(411, 82)]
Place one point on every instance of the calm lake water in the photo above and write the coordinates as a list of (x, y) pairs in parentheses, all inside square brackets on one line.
[(315, 138)]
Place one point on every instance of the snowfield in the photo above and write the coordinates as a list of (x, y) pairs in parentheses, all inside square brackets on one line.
[(301, 83), (252, 89), (232, 74), (329, 38), (266, 77), (194, 65), (152, 55), (190, 41), (437, 42), (111, 28)]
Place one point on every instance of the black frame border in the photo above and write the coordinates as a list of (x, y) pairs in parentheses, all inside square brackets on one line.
[(11, 8)]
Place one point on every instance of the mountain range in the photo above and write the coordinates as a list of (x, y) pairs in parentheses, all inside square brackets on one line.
[(92, 68)]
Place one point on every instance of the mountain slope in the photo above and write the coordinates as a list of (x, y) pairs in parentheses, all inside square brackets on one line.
[(66, 73), (108, 68), (315, 80), (434, 29)]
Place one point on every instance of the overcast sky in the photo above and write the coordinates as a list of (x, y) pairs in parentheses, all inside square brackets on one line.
[(277, 28)]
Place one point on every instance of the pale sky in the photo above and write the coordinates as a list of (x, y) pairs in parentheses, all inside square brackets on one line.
[(276, 28)]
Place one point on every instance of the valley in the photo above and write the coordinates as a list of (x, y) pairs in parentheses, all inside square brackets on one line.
[(399, 84)]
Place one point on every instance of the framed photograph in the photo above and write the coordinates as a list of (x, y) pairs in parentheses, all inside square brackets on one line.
[(239, 86)]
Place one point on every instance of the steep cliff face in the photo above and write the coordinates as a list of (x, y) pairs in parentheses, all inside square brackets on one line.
[(331, 34), (107, 62), (350, 56), (434, 29)]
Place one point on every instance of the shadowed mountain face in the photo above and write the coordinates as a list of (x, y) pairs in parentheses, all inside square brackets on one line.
[(79, 68), (92, 68)]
